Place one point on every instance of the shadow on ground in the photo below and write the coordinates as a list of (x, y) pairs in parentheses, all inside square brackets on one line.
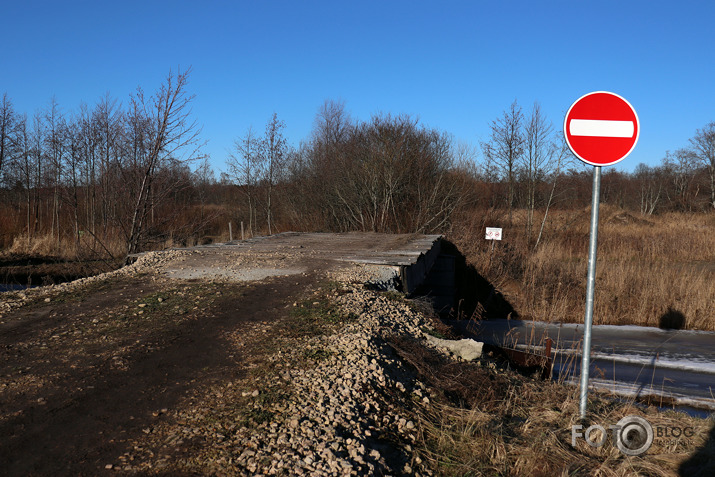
[(475, 296), (672, 320), (76, 392), (702, 463)]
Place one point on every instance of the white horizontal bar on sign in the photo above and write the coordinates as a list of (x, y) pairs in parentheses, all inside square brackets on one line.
[(601, 128)]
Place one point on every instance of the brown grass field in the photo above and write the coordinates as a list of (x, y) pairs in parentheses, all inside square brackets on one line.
[(647, 270)]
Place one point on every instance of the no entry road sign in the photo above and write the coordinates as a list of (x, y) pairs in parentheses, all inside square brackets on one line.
[(601, 128)]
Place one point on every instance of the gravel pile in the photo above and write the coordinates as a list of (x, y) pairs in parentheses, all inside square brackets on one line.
[(345, 407), (349, 415)]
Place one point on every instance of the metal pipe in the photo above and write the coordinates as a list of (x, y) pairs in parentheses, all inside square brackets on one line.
[(590, 287)]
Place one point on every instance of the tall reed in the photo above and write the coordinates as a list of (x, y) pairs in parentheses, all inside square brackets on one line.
[(648, 268)]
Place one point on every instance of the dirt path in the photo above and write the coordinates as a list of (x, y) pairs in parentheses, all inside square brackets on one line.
[(99, 376), (86, 373)]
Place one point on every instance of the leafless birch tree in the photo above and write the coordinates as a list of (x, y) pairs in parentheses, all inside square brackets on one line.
[(506, 146), (273, 151), (682, 164), (7, 131), (170, 134), (539, 150), (245, 169), (703, 144)]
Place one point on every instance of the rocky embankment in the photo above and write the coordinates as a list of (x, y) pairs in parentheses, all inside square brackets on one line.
[(351, 413), (347, 410)]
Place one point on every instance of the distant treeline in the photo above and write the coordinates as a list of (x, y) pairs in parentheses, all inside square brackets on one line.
[(114, 179)]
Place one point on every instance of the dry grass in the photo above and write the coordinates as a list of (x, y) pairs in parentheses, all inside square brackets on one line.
[(534, 439), (496, 422), (66, 248), (69, 249), (648, 268)]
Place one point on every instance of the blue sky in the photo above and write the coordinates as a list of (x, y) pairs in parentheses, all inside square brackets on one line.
[(454, 64)]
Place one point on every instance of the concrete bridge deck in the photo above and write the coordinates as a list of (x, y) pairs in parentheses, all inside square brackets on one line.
[(407, 257)]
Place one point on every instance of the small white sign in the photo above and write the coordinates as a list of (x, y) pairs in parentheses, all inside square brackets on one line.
[(493, 233)]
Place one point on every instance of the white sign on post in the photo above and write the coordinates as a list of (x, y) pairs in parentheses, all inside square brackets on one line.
[(493, 233)]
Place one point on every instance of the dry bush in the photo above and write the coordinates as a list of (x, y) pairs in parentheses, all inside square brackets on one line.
[(44, 245), (194, 225), (647, 267), (66, 248), (9, 225)]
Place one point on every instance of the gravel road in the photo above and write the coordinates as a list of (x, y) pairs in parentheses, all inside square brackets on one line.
[(278, 396)]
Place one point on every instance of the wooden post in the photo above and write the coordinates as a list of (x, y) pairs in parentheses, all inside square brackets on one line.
[(242, 237), (230, 233)]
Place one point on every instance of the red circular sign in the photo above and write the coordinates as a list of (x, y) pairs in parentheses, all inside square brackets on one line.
[(601, 128)]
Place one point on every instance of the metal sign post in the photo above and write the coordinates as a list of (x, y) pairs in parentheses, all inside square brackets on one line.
[(590, 289), (601, 129)]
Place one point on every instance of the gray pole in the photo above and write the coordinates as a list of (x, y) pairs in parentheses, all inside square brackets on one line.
[(590, 286)]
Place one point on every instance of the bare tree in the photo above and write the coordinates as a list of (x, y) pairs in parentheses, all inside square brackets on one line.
[(203, 178), (505, 147), (7, 127), (332, 124), (651, 187), (562, 156), (245, 168), (330, 139), (391, 175), (465, 154), (682, 164), (108, 119), (56, 150), (73, 165), (439, 179), (273, 151), (703, 144), (37, 156), (170, 135), (302, 192), (85, 141), (539, 149), (25, 168)]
